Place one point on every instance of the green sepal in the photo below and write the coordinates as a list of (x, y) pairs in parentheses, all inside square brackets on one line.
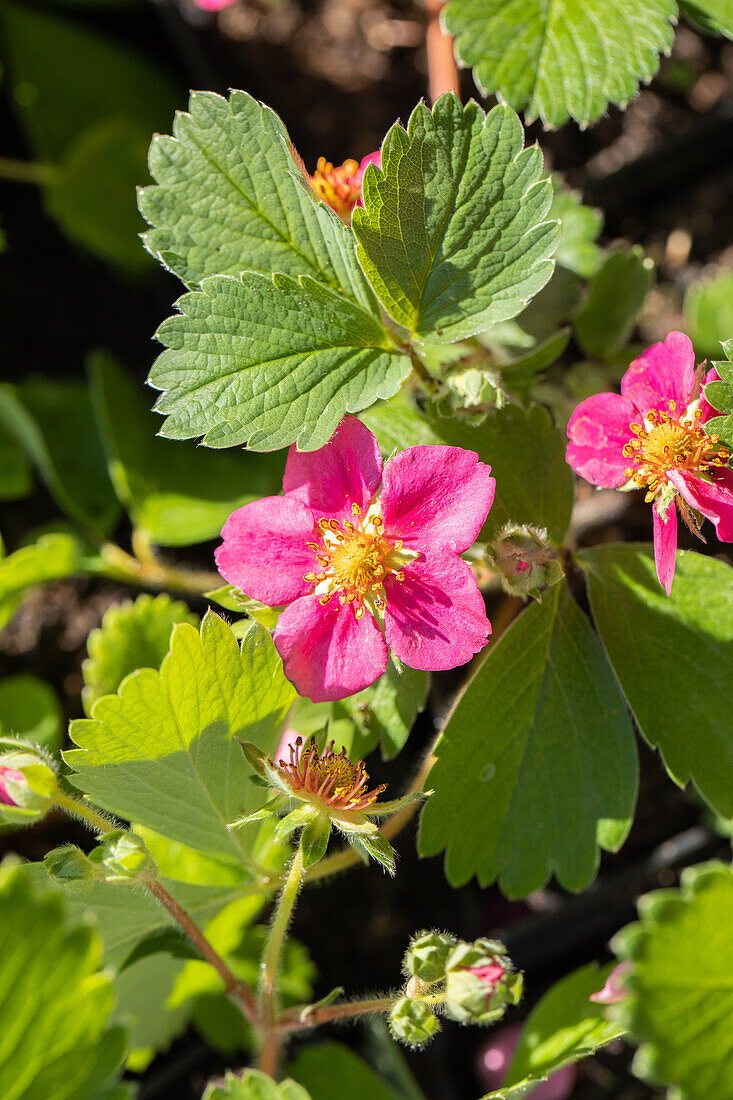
[(277, 802), (377, 847), (382, 809), (256, 758), (314, 839), (411, 1021), (297, 819)]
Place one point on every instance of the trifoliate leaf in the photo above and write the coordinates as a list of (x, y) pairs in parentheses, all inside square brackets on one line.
[(615, 298), (330, 1071), (709, 311), (672, 657), (580, 227), (560, 59), (269, 361), (680, 1005), (231, 197), (176, 495), (537, 764), (715, 16), (164, 751), (53, 422), (563, 1027), (254, 1085), (29, 708), (132, 635), (453, 235), (55, 1002)]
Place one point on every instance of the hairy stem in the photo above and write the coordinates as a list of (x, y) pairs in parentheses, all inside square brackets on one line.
[(442, 68), (81, 809), (150, 572), (296, 1019), (270, 1049)]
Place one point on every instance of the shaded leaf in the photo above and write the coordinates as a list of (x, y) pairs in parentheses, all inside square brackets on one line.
[(715, 16), (29, 708), (16, 478), (330, 1071), (709, 311), (580, 227), (607, 317)]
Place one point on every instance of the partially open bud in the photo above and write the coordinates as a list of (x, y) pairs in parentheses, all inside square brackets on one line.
[(70, 867), (28, 785), (480, 983), (122, 857), (526, 560), (412, 1021), (427, 956), (614, 990)]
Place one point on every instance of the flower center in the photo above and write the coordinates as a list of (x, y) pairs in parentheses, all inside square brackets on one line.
[(329, 777), (666, 441), (339, 187), (354, 559)]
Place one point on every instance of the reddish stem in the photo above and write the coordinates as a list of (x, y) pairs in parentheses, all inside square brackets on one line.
[(442, 69)]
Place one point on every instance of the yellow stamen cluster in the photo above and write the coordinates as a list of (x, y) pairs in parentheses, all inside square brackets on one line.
[(669, 442), (354, 559), (339, 187), (329, 777)]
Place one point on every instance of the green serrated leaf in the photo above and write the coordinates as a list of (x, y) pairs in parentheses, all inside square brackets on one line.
[(537, 764), (231, 197), (53, 422), (254, 1085), (680, 1006), (133, 635), (672, 657), (52, 558), (561, 59), (453, 235), (607, 317), (330, 1071), (714, 16), (29, 708), (709, 310), (55, 1002), (580, 227), (270, 361), (176, 495), (164, 751), (562, 1028)]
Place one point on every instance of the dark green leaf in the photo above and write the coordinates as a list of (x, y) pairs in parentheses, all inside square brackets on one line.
[(715, 16), (385, 712), (615, 297), (16, 478), (330, 1071), (30, 709)]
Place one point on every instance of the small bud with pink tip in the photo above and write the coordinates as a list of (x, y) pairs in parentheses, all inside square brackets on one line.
[(28, 784)]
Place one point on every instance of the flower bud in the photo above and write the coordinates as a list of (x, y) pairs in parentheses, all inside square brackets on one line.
[(480, 982), (411, 1021), (28, 786), (526, 560), (427, 955), (69, 867), (122, 857)]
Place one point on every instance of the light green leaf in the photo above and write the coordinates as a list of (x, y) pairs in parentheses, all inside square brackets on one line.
[(560, 59), (580, 227), (681, 984), (537, 764), (231, 197), (164, 752), (54, 1000), (330, 1071), (715, 16), (270, 361), (255, 1086), (176, 495), (709, 311), (453, 235), (607, 317), (673, 656), (16, 478), (52, 558), (132, 635), (53, 422), (30, 709), (563, 1027)]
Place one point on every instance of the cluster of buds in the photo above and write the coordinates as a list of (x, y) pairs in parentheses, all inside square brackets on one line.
[(315, 791), (526, 560), (28, 783), (468, 982), (120, 857)]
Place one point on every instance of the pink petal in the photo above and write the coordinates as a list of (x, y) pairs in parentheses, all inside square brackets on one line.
[(435, 618), (327, 652), (213, 5), (346, 471), (665, 545), (597, 431), (705, 407), (713, 498), (264, 551), (664, 372), (614, 990), (436, 498), (372, 158)]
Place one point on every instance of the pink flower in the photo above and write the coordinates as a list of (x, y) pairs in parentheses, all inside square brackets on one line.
[(364, 560), (340, 187), (614, 990), (213, 5), (651, 436), (9, 775)]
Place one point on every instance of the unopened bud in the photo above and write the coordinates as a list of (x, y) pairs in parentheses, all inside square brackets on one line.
[(526, 560), (69, 867), (28, 786), (122, 857), (427, 956), (481, 982), (411, 1021)]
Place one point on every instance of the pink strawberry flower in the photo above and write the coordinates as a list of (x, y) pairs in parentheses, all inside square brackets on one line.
[(651, 436), (365, 560)]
